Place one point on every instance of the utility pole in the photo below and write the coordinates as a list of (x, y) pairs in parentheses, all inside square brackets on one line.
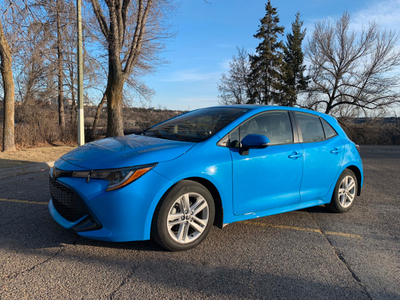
[(81, 118)]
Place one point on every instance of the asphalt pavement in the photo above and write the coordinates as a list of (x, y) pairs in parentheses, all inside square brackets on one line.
[(306, 254)]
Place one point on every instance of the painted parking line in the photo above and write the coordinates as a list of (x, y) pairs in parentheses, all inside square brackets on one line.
[(22, 201), (354, 236)]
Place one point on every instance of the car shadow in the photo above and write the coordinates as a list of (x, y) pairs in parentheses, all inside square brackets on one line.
[(146, 246), (27, 227), (36, 229), (12, 163), (317, 209)]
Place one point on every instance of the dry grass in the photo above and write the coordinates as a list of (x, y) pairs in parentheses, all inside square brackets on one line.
[(32, 155)]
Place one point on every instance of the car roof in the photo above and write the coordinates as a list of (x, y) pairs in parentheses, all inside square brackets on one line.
[(255, 109), (260, 108)]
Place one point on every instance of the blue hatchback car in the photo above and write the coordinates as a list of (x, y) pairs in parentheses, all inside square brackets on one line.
[(209, 166)]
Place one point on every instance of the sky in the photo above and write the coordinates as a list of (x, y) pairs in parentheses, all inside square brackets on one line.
[(208, 32)]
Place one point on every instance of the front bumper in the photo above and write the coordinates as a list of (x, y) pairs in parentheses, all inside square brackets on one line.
[(118, 216), (68, 209)]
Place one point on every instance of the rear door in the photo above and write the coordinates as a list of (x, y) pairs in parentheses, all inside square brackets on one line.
[(323, 156)]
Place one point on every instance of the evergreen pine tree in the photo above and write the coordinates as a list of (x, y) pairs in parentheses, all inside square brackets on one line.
[(294, 80), (265, 78)]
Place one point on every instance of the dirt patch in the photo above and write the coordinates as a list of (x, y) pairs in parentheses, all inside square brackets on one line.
[(32, 155)]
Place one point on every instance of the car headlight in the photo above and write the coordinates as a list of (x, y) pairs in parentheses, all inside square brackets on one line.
[(116, 178)]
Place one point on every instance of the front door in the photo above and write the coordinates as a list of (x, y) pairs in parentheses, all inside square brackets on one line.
[(270, 177)]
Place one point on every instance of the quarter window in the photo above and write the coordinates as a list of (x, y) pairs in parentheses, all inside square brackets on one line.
[(329, 131)]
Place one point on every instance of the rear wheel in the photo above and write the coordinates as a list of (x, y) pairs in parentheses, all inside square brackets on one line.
[(345, 192), (184, 216)]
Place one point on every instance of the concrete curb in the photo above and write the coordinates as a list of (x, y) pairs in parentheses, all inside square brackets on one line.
[(25, 169)]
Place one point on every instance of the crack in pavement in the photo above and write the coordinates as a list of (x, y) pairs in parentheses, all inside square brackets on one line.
[(16, 274), (347, 265), (341, 258), (123, 282)]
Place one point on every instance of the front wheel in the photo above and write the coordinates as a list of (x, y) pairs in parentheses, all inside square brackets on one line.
[(345, 192), (184, 216)]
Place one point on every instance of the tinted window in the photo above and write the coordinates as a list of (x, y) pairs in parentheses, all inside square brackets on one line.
[(196, 126), (275, 125), (311, 127), (329, 131)]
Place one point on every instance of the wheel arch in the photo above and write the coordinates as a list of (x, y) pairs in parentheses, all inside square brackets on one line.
[(357, 172), (219, 216)]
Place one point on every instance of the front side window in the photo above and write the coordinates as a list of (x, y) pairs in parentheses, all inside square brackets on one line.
[(275, 125), (311, 127)]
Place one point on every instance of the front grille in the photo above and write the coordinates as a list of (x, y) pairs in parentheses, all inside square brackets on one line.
[(67, 203)]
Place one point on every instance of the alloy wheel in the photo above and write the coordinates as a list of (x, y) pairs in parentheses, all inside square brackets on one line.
[(347, 191), (188, 218)]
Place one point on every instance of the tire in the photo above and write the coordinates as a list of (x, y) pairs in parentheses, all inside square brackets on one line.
[(345, 192), (183, 217)]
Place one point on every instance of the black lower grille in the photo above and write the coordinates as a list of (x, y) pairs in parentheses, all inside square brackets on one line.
[(67, 203)]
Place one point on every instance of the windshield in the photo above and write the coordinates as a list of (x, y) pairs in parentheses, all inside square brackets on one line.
[(197, 125)]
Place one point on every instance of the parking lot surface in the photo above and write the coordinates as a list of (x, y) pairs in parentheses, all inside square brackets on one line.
[(306, 254)]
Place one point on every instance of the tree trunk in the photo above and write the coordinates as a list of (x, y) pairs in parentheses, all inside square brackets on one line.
[(9, 92), (98, 113), (74, 117), (115, 125), (61, 116)]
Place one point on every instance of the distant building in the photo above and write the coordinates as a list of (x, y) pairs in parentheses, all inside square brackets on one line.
[(68, 102)]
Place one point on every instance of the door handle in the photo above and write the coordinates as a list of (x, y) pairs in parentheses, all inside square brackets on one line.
[(336, 151), (295, 155)]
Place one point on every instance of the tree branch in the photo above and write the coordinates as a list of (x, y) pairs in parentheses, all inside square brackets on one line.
[(136, 45), (100, 18)]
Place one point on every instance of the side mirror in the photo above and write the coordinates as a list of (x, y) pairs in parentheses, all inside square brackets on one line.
[(253, 141)]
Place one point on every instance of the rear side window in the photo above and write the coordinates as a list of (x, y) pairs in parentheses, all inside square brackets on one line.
[(329, 131), (311, 127)]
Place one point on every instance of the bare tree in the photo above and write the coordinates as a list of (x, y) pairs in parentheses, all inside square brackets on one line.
[(352, 70), (32, 63), (233, 88), (60, 69), (41, 37), (35, 59), (54, 25), (132, 30), (8, 40), (9, 92)]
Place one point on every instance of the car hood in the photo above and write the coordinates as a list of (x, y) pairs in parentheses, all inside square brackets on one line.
[(126, 151)]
